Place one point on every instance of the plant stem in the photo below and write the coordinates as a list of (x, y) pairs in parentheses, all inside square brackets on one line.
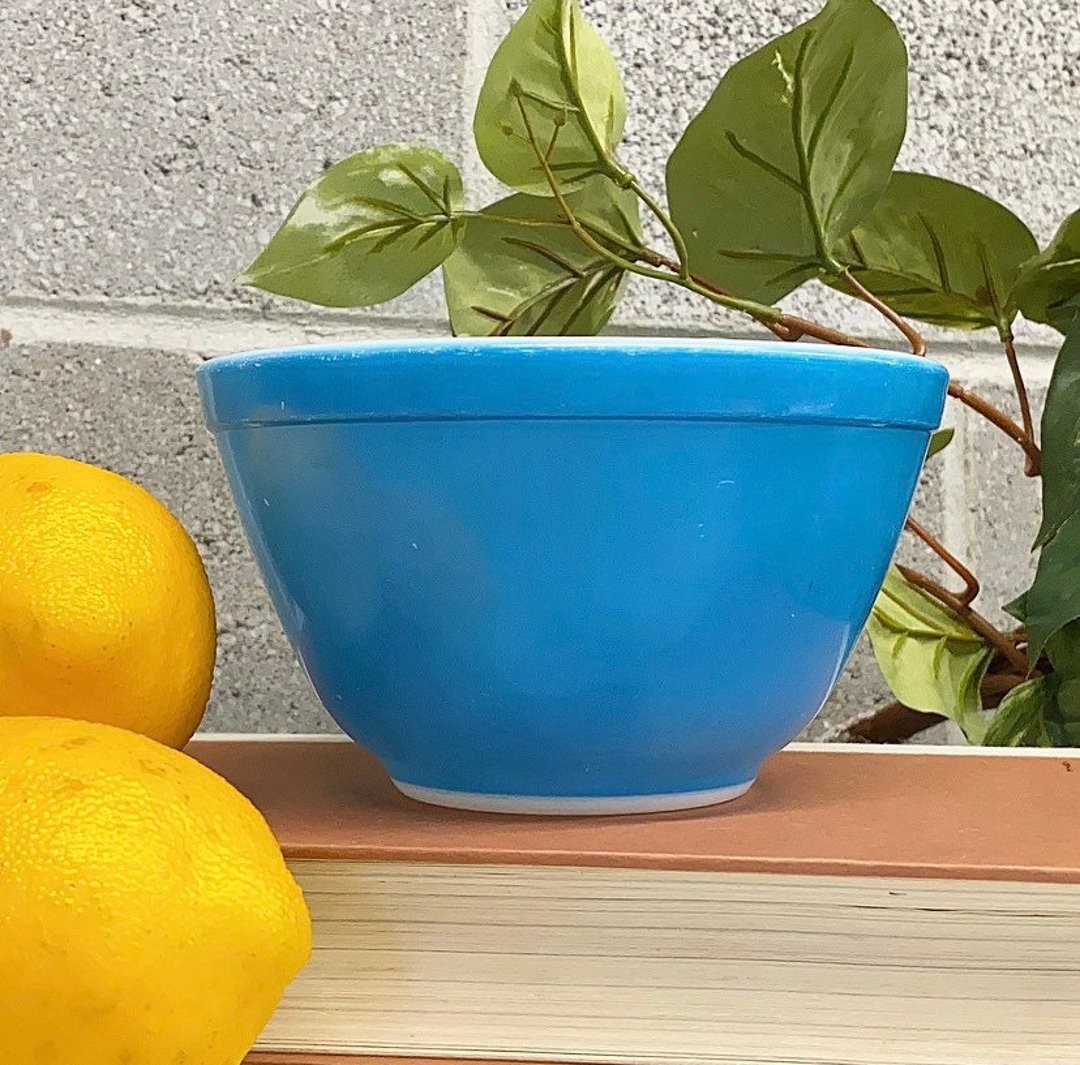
[(1001, 683), (911, 334), (1024, 435), (787, 327), (998, 640), (1033, 463), (568, 63), (971, 585), (797, 327), (756, 310), (996, 417), (682, 268)]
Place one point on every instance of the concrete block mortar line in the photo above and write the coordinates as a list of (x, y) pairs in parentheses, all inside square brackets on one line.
[(192, 329), (210, 330), (213, 329)]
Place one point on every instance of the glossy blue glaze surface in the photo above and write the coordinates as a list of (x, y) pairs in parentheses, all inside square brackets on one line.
[(572, 568)]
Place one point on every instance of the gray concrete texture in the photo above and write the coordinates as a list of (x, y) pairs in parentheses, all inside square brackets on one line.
[(150, 149)]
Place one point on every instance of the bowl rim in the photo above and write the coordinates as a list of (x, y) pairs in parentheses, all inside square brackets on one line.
[(619, 344), (610, 377)]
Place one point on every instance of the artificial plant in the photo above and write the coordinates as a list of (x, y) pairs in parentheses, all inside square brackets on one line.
[(784, 177)]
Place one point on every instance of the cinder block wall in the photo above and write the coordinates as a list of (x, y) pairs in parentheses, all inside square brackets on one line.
[(149, 149)]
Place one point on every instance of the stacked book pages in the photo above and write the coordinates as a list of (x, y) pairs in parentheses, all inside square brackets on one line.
[(859, 906)]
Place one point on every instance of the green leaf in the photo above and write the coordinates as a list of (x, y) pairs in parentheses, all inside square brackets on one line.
[(521, 271), (365, 231), (939, 441), (554, 66), (1049, 288), (1021, 719), (1017, 608), (1060, 437), (939, 252), (792, 151), (1044, 711), (1053, 600), (930, 658), (1063, 650), (1064, 724)]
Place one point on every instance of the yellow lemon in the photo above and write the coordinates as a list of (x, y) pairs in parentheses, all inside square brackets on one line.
[(146, 914), (105, 611)]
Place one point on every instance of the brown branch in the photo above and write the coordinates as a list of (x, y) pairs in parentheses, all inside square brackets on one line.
[(1024, 434), (998, 640), (785, 332), (894, 723), (804, 327), (1033, 463), (971, 584), (911, 334), (998, 684), (998, 418), (897, 723), (787, 327)]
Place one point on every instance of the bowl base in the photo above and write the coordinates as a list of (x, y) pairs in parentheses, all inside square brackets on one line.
[(570, 805)]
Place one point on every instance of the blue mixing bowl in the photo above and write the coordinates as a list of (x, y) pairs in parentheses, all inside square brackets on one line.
[(576, 575)]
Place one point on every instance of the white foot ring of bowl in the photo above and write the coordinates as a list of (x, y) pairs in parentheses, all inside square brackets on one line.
[(570, 805)]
